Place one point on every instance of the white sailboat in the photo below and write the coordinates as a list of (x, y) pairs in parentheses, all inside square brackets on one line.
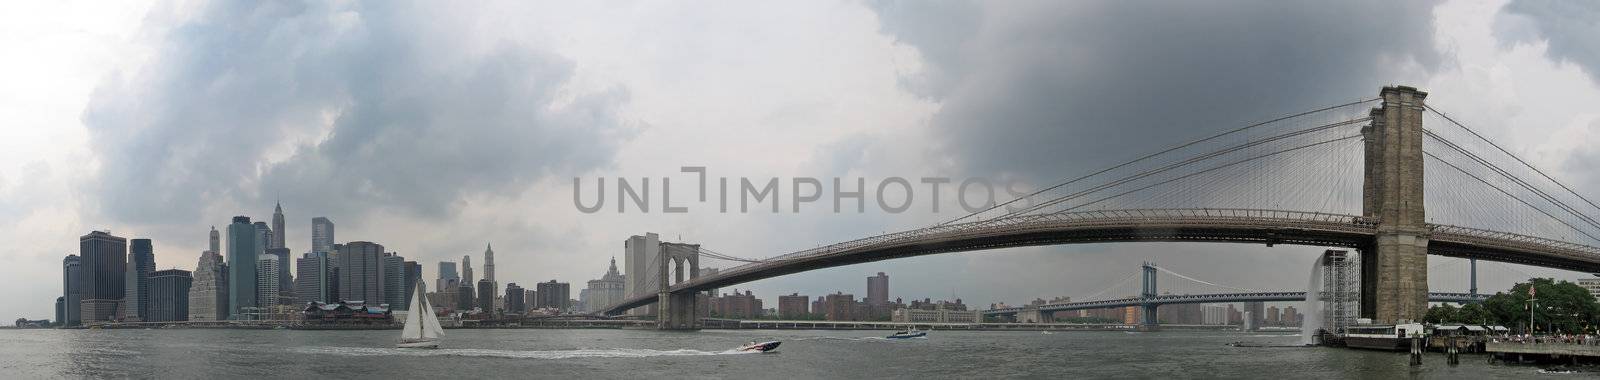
[(422, 326)]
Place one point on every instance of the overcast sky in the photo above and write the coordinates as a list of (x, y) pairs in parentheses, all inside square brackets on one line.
[(435, 129)]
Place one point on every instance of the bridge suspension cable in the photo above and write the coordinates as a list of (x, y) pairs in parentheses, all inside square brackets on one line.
[(1124, 280), (1513, 156), (1153, 155), (1180, 275), (1513, 178)]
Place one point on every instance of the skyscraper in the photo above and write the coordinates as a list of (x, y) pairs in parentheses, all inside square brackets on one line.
[(208, 292), (394, 281), (322, 235), (241, 265), (263, 237), (878, 289), (448, 279), (515, 299), (607, 290), (466, 270), (266, 280), (486, 292), (413, 275), (638, 253), (316, 278), (361, 272), (277, 230), (488, 262), (105, 261), (285, 281), (141, 262), (216, 241), (169, 295), (72, 290)]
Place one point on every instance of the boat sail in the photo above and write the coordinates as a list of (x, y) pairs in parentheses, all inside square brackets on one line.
[(422, 328)]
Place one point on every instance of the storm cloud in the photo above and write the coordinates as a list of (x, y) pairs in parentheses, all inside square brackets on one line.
[(1049, 90), (340, 107), (1571, 28)]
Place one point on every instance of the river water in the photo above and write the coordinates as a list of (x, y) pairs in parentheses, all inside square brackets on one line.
[(636, 354)]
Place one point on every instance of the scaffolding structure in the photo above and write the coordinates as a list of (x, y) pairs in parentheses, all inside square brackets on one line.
[(1341, 290)]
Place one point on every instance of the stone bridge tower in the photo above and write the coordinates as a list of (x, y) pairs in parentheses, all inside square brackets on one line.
[(1394, 266)]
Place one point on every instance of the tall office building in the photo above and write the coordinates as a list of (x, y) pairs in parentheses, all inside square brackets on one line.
[(208, 292), (554, 295), (878, 289), (607, 290), (242, 254), (169, 295), (486, 291), (413, 275), (638, 253), (322, 236), (361, 272), (315, 279), (465, 300), (448, 279), (105, 261), (263, 237), (141, 261), (266, 280), (488, 262), (277, 229), (1214, 314), (72, 291), (466, 270), (516, 300), (394, 281), (1254, 314), (216, 241), (285, 280)]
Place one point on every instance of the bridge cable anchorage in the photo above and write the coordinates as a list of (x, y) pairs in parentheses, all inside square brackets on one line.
[(1508, 194), (1513, 178), (1513, 156), (1153, 155), (1187, 162), (1096, 201), (1165, 270)]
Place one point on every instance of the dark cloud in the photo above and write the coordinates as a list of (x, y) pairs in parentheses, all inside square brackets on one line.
[(338, 108), (1572, 29), (1048, 90)]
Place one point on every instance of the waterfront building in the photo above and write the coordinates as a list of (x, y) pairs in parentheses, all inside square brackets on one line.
[(515, 299), (465, 300), (488, 262), (486, 290), (1254, 313), (1181, 314), (322, 236), (394, 282), (241, 266), (839, 307), (278, 232), (169, 295), (735, 305), (639, 252), (1214, 314), (266, 281), (285, 280), (1272, 317), (1291, 317), (72, 291), (346, 312), (607, 290), (141, 261), (208, 292), (105, 261), (554, 295), (413, 275), (443, 300), (361, 272), (316, 279), (878, 289), (794, 306), (935, 316), (61, 310)]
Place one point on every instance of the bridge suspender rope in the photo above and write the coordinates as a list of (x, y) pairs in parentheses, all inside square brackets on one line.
[(1207, 282), (1513, 156)]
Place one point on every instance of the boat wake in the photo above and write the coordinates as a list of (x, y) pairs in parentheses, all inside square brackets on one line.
[(513, 354)]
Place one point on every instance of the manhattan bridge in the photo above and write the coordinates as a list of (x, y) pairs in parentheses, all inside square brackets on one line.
[(1389, 177)]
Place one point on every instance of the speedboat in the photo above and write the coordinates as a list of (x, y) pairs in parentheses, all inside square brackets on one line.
[(759, 347), (908, 334)]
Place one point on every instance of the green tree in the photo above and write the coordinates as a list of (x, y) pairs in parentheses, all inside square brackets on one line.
[(1473, 313), (1561, 306), (1443, 313)]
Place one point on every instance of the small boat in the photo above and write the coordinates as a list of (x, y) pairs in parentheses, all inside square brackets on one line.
[(908, 334), (1046, 333), (422, 327), (759, 347)]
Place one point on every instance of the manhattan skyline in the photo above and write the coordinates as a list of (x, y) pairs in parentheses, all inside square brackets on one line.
[(119, 122)]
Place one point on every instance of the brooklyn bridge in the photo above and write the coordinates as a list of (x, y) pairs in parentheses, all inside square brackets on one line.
[(1389, 177)]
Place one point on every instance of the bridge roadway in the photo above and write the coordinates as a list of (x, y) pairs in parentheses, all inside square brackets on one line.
[(1209, 298), (1259, 226)]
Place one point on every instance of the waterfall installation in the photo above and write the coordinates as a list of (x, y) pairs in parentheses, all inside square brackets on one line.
[(1313, 306)]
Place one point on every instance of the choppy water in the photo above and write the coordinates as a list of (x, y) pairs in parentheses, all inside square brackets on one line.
[(651, 354)]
